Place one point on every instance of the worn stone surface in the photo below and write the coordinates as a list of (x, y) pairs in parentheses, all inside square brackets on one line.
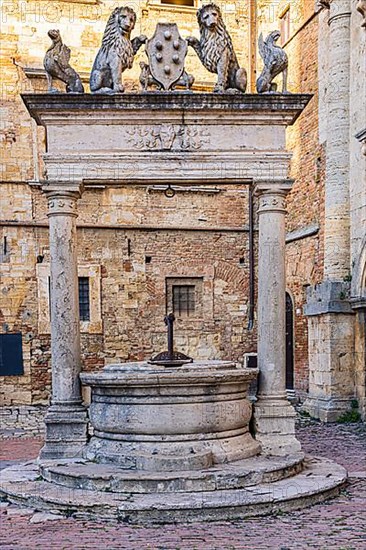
[(56, 64), (339, 523), (147, 417), (116, 53), (66, 419), (275, 62), (216, 52), (320, 479), (273, 415), (82, 474), (275, 112)]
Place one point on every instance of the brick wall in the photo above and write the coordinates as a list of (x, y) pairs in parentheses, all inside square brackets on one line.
[(306, 200)]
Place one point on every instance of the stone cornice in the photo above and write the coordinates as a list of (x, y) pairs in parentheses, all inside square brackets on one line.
[(281, 109)]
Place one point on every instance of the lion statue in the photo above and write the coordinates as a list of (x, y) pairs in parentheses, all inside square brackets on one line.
[(215, 50), (57, 65), (116, 53)]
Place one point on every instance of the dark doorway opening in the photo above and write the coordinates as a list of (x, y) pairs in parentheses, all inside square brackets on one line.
[(289, 342)]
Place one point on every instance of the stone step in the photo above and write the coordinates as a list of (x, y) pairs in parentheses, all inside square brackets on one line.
[(320, 479), (82, 474)]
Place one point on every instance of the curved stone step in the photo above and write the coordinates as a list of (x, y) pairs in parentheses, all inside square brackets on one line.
[(82, 474), (320, 479)]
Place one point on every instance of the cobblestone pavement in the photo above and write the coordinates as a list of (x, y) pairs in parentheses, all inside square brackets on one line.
[(338, 524)]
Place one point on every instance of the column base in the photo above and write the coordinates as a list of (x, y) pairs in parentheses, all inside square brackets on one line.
[(332, 354), (327, 409), (66, 432), (275, 426)]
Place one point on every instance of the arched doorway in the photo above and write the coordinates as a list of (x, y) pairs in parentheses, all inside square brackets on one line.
[(289, 342)]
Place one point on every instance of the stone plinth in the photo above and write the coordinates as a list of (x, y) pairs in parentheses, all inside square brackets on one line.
[(152, 418)]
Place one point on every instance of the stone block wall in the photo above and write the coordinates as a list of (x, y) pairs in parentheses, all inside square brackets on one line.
[(21, 421), (132, 240), (306, 200)]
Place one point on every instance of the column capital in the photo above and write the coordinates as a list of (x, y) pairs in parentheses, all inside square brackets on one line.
[(62, 198), (282, 187), (272, 196), (339, 9)]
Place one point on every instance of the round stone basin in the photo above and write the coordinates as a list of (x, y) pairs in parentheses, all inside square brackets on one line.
[(147, 417)]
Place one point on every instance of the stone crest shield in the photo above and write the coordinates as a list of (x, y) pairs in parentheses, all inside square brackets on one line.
[(166, 51)]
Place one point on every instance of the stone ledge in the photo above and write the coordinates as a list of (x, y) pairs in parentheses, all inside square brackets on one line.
[(81, 474), (328, 297), (320, 480), (291, 105)]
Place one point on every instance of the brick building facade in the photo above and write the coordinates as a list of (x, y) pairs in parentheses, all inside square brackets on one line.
[(140, 252)]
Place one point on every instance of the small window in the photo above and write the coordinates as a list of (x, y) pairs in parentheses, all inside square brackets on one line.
[(184, 296), (184, 300), (285, 26), (11, 355), (179, 2), (84, 301)]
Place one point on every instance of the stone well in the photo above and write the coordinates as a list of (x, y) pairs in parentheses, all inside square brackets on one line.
[(147, 417), (169, 444)]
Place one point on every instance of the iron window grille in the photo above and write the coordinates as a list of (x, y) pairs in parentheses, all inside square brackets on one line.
[(184, 300), (84, 299)]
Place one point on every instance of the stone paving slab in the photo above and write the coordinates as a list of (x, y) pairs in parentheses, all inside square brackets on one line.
[(338, 524)]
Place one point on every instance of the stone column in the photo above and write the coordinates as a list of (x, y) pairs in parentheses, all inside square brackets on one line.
[(331, 319), (274, 415), (337, 190), (66, 419)]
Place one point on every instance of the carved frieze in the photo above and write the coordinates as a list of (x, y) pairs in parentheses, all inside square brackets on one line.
[(168, 136)]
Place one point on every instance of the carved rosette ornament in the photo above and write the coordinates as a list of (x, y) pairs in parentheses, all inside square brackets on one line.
[(165, 136)]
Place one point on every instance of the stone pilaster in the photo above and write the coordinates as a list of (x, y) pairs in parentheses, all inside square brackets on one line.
[(66, 419), (274, 415)]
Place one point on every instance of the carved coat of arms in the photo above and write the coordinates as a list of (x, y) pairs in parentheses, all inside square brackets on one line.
[(167, 51)]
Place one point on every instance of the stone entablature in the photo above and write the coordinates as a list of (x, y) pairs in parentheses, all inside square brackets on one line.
[(194, 138)]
